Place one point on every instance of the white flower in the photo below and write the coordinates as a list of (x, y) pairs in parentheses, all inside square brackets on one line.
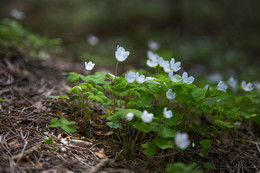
[(93, 40), (257, 85), (89, 66), (17, 14), (170, 95), (130, 77), (152, 56), (175, 66), (79, 88), (237, 124), (167, 114), (130, 116), (147, 117), (153, 59), (247, 87), (153, 45), (174, 78), (140, 79), (161, 61), (186, 79), (152, 63), (222, 86), (166, 66), (182, 141), (121, 54), (232, 83)]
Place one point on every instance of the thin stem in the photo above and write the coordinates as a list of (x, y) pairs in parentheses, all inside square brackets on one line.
[(115, 87)]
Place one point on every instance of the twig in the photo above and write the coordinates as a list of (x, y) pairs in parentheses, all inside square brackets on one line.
[(26, 152), (12, 83), (99, 165), (24, 146)]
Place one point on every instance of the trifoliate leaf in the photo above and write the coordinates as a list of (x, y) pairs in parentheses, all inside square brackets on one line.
[(142, 126), (115, 125), (166, 132), (66, 122), (69, 128), (150, 148), (197, 93), (73, 77), (164, 144), (208, 165), (174, 120), (205, 143), (54, 122), (223, 124)]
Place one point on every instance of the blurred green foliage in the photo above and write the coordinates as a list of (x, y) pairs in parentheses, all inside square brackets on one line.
[(14, 37), (207, 36)]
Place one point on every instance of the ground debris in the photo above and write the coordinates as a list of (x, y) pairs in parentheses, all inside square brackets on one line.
[(24, 127)]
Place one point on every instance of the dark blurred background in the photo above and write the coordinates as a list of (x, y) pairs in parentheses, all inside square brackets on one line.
[(214, 38)]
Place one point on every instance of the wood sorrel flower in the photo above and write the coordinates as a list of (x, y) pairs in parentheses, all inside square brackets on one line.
[(161, 61), (167, 114), (147, 117), (186, 79), (166, 66), (170, 95), (153, 59), (140, 79), (247, 87), (129, 116), (152, 56), (89, 66), (130, 77), (174, 78), (152, 63), (222, 86), (257, 85), (181, 140), (92, 40), (121, 54), (17, 14), (153, 45), (175, 66), (232, 83)]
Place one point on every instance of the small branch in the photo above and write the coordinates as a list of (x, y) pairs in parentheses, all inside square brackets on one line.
[(99, 165)]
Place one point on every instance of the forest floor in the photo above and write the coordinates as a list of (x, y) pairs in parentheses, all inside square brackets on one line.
[(26, 115)]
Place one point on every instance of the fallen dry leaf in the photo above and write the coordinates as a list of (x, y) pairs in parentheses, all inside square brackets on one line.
[(15, 144), (101, 153)]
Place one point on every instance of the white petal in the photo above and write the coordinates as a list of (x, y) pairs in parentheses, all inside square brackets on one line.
[(130, 116)]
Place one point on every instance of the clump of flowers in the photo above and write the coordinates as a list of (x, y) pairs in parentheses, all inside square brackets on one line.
[(158, 106)]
